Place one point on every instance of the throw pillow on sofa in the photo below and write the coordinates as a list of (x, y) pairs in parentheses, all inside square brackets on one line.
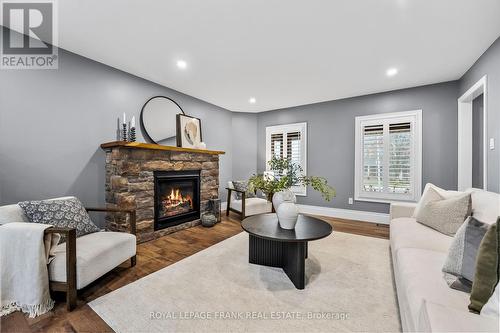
[(60, 213), (446, 215), (460, 264), (487, 269), (432, 193)]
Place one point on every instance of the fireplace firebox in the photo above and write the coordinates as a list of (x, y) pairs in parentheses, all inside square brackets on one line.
[(177, 197)]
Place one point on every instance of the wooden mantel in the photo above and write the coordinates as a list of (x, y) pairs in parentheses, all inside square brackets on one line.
[(141, 145)]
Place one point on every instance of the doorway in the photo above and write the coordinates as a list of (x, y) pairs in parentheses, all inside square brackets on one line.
[(472, 137)]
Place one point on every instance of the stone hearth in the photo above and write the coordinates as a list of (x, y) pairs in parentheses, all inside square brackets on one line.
[(130, 181)]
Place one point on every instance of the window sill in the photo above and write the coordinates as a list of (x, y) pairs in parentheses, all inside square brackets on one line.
[(387, 201)]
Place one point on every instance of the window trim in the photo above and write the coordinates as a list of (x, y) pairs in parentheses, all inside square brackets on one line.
[(302, 127), (416, 117)]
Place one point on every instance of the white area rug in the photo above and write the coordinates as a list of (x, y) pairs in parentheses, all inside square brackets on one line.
[(349, 288)]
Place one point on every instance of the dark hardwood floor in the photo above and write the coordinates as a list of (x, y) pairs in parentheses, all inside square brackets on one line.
[(151, 256)]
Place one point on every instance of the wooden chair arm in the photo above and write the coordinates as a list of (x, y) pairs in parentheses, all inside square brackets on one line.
[(60, 230), (70, 286), (243, 196), (235, 190), (130, 212)]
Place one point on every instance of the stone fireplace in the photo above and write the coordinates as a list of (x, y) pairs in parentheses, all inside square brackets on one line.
[(169, 187)]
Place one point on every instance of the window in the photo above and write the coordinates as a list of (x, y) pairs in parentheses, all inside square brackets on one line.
[(388, 161), (288, 141)]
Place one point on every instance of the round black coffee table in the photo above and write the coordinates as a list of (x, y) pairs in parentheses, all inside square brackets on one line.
[(271, 245)]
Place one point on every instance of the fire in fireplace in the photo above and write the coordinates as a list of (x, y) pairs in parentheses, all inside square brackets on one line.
[(176, 203), (177, 197)]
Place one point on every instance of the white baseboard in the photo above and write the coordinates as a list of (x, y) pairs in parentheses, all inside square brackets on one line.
[(349, 214)]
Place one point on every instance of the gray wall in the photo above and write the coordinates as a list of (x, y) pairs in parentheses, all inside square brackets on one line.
[(477, 142), (489, 64), (53, 121), (331, 138), (244, 141)]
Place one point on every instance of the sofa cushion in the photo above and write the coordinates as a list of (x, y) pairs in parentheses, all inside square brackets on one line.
[(438, 318), (406, 232), (253, 206), (422, 279), (485, 206), (96, 254)]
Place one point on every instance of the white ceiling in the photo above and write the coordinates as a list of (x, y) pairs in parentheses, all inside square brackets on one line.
[(283, 53)]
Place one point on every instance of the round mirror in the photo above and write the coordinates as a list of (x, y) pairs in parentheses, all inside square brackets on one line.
[(158, 118)]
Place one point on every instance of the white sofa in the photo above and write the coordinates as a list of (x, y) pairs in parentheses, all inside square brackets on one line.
[(96, 253), (426, 303)]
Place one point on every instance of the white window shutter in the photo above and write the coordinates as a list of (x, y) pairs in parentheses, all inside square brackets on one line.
[(388, 160), (373, 158), (400, 169), (277, 145), (288, 141)]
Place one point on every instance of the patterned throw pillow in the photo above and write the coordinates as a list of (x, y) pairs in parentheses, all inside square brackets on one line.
[(460, 263), (60, 213), (446, 215), (242, 185)]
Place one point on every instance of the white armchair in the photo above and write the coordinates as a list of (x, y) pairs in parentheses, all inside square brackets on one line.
[(246, 206), (82, 260)]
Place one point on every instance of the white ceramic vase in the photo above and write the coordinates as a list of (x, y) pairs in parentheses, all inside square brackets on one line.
[(288, 214), (282, 196)]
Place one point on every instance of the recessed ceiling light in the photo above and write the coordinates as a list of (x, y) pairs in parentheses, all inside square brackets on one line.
[(181, 64), (252, 100), (391, 71)]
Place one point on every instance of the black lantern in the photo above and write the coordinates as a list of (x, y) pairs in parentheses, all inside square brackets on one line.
[(214, 206)]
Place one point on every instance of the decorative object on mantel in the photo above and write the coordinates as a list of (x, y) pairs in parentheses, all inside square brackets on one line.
[(286, 174), (126, 132), (201, 145), (189, 132), (124, 127), (158, 118), (208, 220), (214, 206), (131, 130)]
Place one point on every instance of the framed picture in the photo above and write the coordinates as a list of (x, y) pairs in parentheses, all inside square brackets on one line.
[(188, 131)]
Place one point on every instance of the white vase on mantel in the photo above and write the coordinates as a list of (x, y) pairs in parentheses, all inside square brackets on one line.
[(286, 209)]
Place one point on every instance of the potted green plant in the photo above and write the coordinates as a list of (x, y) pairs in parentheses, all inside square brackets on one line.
[(276, 185)]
